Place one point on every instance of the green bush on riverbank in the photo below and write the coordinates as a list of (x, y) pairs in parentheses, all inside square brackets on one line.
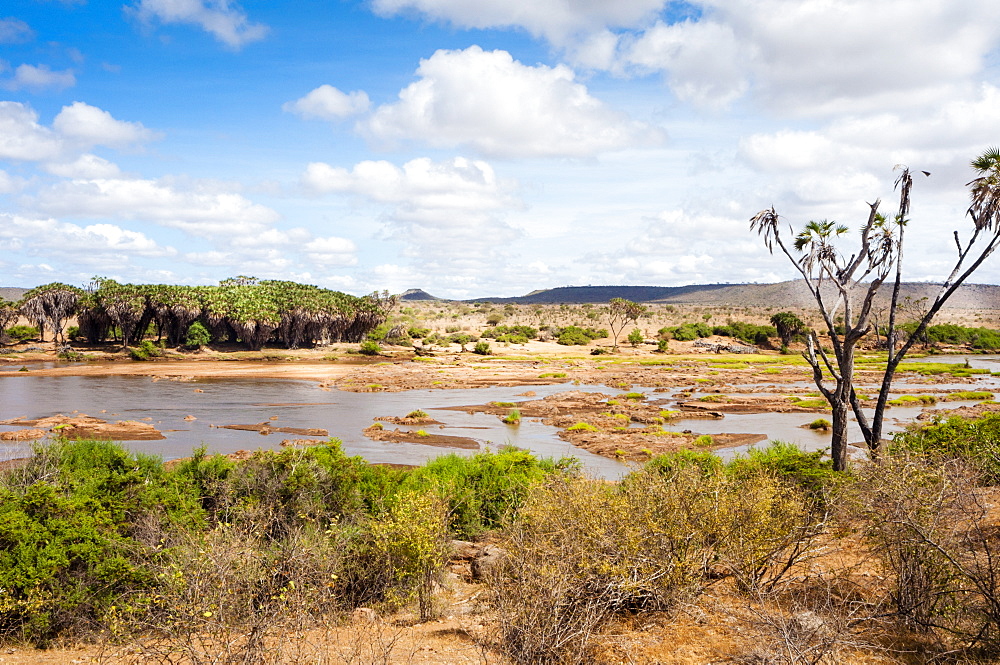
[(100, 543)]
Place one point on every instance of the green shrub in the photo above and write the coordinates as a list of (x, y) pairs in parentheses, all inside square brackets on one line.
[(635, 337), (575, 335), (963, 395), (197, 336), (662, 345), (513, 418), (582, 427), (146, 350), (913, 400), (820, 423), (73, 332), (370, 348), (685, 332), (746, 332), (482, 349), (811, 471), (703, 441), (22, 333), (485, 491), (417, 414), (974, 441), (512, 334), (418, 333)]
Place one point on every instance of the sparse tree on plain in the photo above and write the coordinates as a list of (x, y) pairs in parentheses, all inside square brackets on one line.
[(621, 312), (788, 326), (845, 288)]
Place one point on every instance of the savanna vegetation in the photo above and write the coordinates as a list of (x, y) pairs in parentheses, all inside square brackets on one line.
[(892, 561), (243, 310)]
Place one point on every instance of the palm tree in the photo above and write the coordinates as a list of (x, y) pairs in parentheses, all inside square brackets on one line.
[(50, 305), (985, 189)]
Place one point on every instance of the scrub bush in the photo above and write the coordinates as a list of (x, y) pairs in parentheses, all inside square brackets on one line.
[(369, 348), (197, 336), (22, 333)]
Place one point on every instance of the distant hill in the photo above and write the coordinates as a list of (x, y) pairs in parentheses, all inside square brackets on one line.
[(417, 294), (11, 292), (782, 294)]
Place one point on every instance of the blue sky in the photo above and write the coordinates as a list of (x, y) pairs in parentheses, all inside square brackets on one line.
[(477, 148)]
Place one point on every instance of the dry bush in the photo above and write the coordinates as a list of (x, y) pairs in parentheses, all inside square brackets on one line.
[(764, 528), (235, 596), (226, 595), (826, 620), (585, 551), (929, 526), (399, 554)]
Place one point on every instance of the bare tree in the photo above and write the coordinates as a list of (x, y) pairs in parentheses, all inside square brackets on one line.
[(845, 289), (620, 312)]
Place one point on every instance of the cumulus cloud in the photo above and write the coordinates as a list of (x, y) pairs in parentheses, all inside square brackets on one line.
[(225, 20), (818, 57), (497, 106), (9, 184), (684, 247), (850, 158), (22, 138), (86, 166), (331, 252), (89, 125), (15, 31), (200, 209), (795, 56), (39, 77), (445, 213), (328, 103), (77, 128), (96, 242), (556, 20)]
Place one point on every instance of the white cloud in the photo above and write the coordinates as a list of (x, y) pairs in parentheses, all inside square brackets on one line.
[(446, 213), (95, 242), (89, 125), (820, 57), (273, 238), (499, 107), (9, 184), (331, 252), (794, 56), (200, 209), (224, 19), (556, 20), (15, 31), (683, 247), (328, 103), (702, 60), (22, 138), (39, 77), (86, 166), (77, 128)]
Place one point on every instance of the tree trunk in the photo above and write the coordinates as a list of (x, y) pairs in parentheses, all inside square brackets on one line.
[(838, 440)]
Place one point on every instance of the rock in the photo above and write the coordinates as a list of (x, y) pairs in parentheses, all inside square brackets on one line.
[(364, 615), (487, 561), (23, 435), (463, 549)]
